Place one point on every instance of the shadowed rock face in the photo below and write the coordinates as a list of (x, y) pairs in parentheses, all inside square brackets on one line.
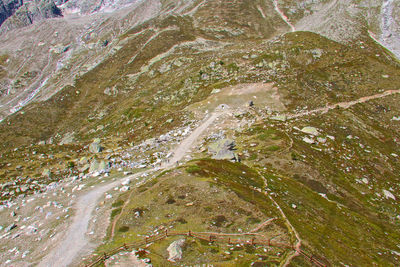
[(29, 13), (15, 14), (7, 8)]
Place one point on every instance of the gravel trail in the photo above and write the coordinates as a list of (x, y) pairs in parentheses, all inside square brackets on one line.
[(75, 240)]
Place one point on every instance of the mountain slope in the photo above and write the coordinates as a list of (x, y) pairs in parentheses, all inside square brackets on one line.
[(309, 101)]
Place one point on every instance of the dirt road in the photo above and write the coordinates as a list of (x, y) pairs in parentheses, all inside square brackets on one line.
[(75, 240), (185, 145), (344, 105)]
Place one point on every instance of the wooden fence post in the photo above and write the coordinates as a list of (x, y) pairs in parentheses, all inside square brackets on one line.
[(229, 240), (166, 232)]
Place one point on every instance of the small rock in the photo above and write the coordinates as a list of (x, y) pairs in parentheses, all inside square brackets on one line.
[(46, 173), (331, 137), (279, 118), (310, 130), (126, 181), (95, 147), (396, 118), (24, 188), (10, 227), (175, 250), (388, 194), (98, 166), (308, 140), (67, 139), (125, 188)]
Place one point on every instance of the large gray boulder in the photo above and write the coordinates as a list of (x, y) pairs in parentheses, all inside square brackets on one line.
[(223, 150)]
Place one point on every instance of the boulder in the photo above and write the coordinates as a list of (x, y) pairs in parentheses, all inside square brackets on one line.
[(10, 227), (175, 250), (46, 173), (308, 140), (223, 149), (83, 161), (67, 139), (279, 118), (95, 147), (125, 188), (99, 166), (310, 130), (388, 194)]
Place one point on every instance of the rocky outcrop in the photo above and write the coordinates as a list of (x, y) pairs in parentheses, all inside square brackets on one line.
[(99, 166), (95, 146), (29, 13), (223, 149), (8, 8)]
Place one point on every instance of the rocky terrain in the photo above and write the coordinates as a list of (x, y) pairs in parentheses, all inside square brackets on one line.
[(121, 120)]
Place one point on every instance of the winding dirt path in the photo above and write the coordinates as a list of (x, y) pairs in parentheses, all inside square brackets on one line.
[(344, 105), (289, 225), (298, 243), (261, 225), (75, 240), (185, 145)]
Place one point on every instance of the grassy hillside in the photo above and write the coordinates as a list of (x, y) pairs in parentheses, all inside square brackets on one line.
[(333, 172)]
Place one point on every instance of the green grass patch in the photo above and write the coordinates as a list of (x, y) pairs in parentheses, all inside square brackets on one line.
[(193, 169), (273, 148), (115, 212), (118, 203)]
